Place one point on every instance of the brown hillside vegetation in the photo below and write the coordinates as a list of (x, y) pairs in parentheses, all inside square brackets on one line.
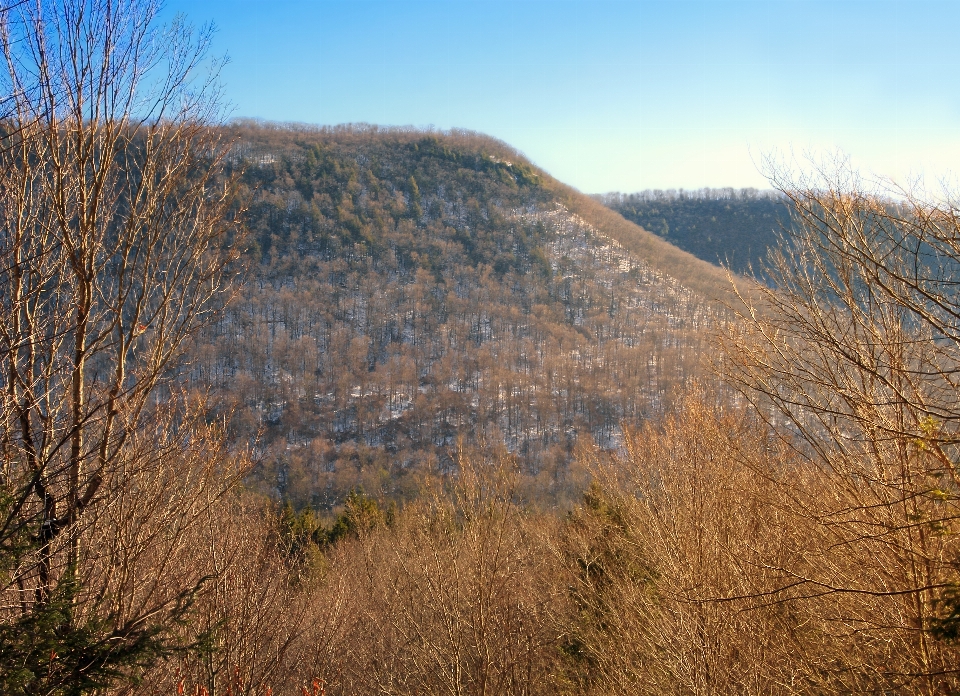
[(716, 552), (676, 574), (409, 290), (802, 542)]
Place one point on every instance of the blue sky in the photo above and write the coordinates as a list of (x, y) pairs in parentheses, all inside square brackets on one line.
[(615, 94)]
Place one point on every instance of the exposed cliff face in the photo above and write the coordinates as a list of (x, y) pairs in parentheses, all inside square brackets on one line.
[(413, 292)]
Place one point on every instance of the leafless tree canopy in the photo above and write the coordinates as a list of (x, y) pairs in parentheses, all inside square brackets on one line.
[(854, 352), (115, 246)]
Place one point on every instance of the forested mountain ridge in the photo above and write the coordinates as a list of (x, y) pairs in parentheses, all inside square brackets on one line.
[(723, 226), (412, 291)]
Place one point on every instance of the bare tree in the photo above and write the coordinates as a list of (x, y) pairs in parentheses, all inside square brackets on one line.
[(452, 598), (115, 247), (854, 352)]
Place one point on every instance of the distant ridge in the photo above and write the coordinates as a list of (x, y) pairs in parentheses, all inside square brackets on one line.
[(729, 227)]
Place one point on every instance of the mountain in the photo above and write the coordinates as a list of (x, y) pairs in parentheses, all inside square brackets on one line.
[(411, 293), (723, 226)]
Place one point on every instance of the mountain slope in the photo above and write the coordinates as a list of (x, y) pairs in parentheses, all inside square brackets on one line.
[(695, 273), (411, 293)]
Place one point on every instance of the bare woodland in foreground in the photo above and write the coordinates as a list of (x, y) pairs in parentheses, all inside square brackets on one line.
[(783, 525)]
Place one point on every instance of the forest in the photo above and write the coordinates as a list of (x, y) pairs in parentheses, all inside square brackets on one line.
[(413, 293), (355, 410), (731, 227)]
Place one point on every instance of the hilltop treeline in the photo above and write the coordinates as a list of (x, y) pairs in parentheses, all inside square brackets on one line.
[(411, 292), (732, 227)]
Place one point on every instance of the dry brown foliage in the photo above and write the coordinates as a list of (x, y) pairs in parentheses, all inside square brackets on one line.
[(853, 354), (695, 553), (685, 570), (453, 598)]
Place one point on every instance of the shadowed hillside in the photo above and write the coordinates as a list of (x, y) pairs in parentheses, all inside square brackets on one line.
[(722, 226)]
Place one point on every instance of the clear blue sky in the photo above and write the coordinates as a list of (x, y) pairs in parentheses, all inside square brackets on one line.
[(615, 94)]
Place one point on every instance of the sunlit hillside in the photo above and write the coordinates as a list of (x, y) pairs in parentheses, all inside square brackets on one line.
[(728, 227), (413, 292)]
